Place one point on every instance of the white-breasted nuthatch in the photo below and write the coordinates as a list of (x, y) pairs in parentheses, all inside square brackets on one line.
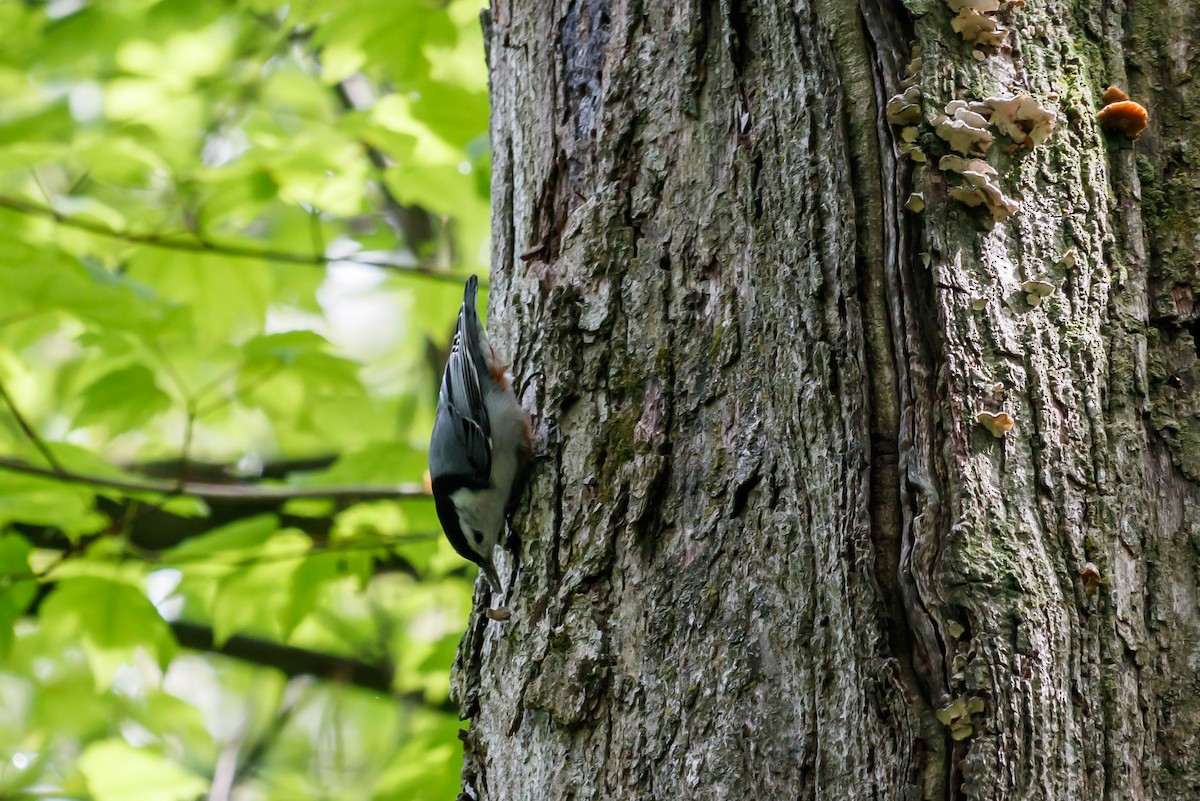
[(481, 443)]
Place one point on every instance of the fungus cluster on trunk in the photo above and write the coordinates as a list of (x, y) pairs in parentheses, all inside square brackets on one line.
[(1122, 115)]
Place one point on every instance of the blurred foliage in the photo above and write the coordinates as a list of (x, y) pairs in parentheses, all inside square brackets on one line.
[(228, 233)]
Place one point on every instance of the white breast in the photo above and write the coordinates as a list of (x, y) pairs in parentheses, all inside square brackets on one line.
[(484, 511)]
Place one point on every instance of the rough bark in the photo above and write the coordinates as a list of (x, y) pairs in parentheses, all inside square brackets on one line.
[(769, 551)]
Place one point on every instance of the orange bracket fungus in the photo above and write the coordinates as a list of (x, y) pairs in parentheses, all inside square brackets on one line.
[(1122, 114), (998, 423), (1113, 95)]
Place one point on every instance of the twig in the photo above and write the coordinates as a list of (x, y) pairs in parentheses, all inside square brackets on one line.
[(392, 563), (228, 493), (32, 435), (295, 691), (165, 558), (189, 401), (207, 246)]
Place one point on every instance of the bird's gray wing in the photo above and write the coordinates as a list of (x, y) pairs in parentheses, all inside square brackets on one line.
[(461, 440)]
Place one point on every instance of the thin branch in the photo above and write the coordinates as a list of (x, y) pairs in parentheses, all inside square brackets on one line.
[(227, 493), (297, 689), (374, 545), (293, 661), (29, 432), (199, 245), (264, 375), (314, 230), (413, 223), (189, 402), (391, 563)]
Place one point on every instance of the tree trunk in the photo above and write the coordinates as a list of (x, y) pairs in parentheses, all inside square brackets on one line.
[(770, 551)]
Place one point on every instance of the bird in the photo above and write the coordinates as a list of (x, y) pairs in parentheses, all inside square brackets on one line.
[(480, 446)]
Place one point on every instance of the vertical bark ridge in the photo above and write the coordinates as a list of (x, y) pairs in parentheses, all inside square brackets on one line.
[(873, 48), (1155, 612)]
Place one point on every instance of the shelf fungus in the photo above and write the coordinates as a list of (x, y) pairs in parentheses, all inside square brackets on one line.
[(952, 163), (915, 202), (1037, 289), (982, 192), (956, 715), (963, 129), (1122, 115), (1021, 118), (997, 423), (904, 108), (974, 22), (979, 190), (1114, 94), (912, 70)]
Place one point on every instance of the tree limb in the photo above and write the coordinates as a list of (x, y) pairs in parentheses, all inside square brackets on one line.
[(197, 245), (226, 493), (293, 661)]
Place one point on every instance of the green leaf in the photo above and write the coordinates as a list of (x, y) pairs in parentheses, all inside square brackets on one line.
[(186, 506), (380, 463), (123, 399), (454, 113), (69, 705), (114, 619), (257, 597), (46, 278), (119, 159), (116, 771), (17, 587), (43, 501), (426, 766), (227, 543), (227, 298), (316, 571), (309, 507)]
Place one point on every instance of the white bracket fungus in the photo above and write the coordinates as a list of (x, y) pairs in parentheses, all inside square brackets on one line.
[(1021, 118), (965, 130), (1036, 290), (980, 190), (905, 108), (974, 23)]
